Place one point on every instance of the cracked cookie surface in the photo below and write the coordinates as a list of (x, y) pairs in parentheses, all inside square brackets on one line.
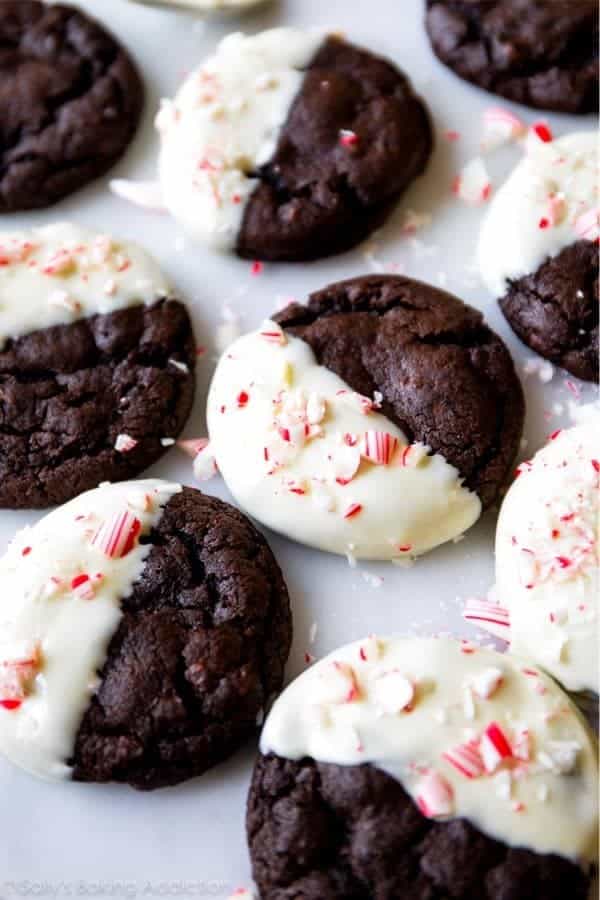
[(328, 832), (542, 54), (322, 193), (446, 379), (70, 102), (555, 309), (68, 391), (200, 649)]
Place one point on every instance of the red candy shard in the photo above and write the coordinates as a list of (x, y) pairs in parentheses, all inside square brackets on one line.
[(378, 447), (466, 759), (353, 510), (117, 537)]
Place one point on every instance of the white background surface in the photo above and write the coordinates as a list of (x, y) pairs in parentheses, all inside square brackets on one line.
[(69, 839)]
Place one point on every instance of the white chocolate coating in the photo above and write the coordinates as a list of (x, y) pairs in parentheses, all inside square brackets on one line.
[(547, 557), (225, 122), (556, 181), (319, 488), (59, 628), (542, 794), (59, 273)]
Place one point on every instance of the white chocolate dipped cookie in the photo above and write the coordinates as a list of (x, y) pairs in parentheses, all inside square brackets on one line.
[(305, 451), (96, 363), (547, 557), (538, 249), (113, 661), (406, 764), (257, 141)]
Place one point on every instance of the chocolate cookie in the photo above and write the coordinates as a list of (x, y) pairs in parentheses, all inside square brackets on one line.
[(70, 102), (555, 309), (538, 251), (540, 53), (290, 145), (366, 788), (446, 379), (96, 364), (182, 626), (378, 420)]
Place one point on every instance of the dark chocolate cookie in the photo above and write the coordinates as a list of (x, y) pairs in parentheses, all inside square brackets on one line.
[(290, 145), (70, 102), (68, 392), (320, 193), (328, 832), (555, 309), (200, 649), (543, 53), (445, 378)]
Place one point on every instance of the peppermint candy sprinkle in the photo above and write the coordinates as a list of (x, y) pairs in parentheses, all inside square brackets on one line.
[(118, 536)]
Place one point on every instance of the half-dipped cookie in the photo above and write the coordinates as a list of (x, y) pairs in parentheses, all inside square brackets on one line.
[(543, 53), (70, 102), (547, 557), (538, 251), (378, 420), (423, 768), (143, 628), (290, 145), (96, 363)]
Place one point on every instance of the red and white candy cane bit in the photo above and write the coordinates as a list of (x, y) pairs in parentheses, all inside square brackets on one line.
[(500, 125), (466, 759), (587, 225), (60, 262), (205, 463), (338, 683), (348, 138), (273, 333), (473, 185), (242, 399), (487, 682), (542, 131), (435, 796), (489, 616), (378, 447), (521, 745), (83, 587), (193, 446), (118, 536), (125, 443), (494, 747), (353, 510)]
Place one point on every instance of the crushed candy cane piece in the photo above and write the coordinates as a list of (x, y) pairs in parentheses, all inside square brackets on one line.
[(378, 447), (435, 796), (494, 747), (353, 510), (118, 536), (394, 692), (18, 673), (125, 443), (83, 587), (500, 126), (273, 333), (473, 185), (587, 225), (338, 683), (348, 138), (466, 759), (205, 463), (490, 616), (487, 682)]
